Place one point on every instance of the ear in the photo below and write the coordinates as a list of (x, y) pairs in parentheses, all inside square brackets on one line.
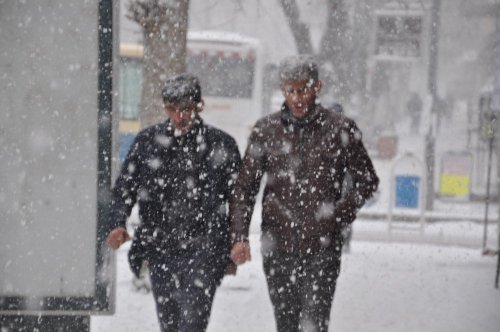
[(165, 108), (200, 106), (318, 85)]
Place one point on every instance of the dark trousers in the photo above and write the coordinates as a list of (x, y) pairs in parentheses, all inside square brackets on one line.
[(301, 288), (184, 286)]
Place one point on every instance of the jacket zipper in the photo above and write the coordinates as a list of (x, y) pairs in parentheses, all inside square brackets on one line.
[(296, 221)]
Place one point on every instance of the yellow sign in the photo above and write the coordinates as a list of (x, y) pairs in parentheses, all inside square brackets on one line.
[(454, 185)]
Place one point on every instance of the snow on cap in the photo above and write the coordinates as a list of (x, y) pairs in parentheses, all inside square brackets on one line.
[(180, 88), (298, 68)]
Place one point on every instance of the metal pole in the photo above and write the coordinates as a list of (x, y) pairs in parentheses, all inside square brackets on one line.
[(498, 262), (487, 204), (496, 106), (432, 87)]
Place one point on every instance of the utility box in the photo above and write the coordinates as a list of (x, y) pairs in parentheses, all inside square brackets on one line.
[(456, 168), (407, 191)]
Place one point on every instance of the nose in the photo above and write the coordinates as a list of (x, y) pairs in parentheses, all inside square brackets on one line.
[(176, 115)]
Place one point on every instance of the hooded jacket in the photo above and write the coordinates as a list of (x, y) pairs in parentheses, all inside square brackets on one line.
[(305, 162)]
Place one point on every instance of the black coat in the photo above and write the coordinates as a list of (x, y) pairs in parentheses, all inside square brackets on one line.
[(182, 185)]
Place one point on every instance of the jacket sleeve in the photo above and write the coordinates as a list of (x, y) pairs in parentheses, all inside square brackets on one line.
[(231, 169), (360, 168), (247, 186), (124, 193)]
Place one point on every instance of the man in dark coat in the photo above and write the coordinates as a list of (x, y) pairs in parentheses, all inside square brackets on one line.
[(305, 151), (181, 173)]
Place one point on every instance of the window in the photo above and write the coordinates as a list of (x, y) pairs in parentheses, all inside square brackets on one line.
[(130, 88), (222, 76), (399, 35)]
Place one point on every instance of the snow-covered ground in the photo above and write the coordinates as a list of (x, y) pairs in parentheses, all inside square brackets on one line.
[(382, 287), (403, 280)]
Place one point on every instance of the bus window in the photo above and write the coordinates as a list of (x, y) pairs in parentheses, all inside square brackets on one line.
[(130, 88), (229, 67), (220, 76)]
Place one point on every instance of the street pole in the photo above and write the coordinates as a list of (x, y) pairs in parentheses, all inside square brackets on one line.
[(491, 140), (432, 88), (495, 104)]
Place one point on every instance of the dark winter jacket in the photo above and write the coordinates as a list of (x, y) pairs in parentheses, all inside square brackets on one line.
[(305, 162), (182, 185)]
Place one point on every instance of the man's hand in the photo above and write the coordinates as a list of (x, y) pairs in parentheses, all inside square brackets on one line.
[(344, 214), (117, 237), (240, 252)]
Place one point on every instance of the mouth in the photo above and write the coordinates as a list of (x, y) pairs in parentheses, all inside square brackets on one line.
[(181, 127), (300, 107)]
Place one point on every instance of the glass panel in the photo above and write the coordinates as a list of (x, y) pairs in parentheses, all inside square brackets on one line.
[(130, 88)]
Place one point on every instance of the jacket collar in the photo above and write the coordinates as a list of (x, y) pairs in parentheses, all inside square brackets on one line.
[(312, 115), (190, 135)]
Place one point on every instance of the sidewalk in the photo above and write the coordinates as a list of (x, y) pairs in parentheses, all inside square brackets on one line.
[(448, 232), (461, 233), (389, 287)]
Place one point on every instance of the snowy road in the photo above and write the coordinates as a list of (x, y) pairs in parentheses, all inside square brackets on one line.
[(382, 287)]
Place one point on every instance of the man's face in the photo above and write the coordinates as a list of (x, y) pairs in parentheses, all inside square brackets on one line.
[(182, 114), (300, 96)]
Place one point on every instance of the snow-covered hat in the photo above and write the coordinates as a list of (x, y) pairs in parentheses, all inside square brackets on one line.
[(181, 88), (298, 68)]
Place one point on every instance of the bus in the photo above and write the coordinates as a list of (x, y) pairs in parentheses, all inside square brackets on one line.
[(230, 69)]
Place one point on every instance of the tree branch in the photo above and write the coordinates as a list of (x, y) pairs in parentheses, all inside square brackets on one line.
[(300, 30)]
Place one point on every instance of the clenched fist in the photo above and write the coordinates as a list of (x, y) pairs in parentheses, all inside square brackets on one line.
[(117, 237)]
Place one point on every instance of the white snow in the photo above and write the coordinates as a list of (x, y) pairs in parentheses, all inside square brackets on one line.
[(403, 280), (382, 287)]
